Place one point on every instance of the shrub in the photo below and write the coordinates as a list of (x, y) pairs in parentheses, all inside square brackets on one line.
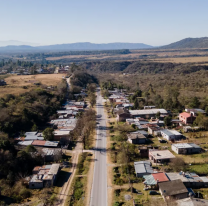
[(25, 193), (78, 193)]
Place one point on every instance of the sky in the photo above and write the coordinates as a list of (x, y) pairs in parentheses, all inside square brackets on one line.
[(153, 22)]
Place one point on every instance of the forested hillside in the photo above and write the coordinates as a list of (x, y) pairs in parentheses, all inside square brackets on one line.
[(144, 67), (188, 43)]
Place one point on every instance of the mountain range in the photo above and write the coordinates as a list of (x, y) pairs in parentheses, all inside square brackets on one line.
[(74, 46), (17, 46)]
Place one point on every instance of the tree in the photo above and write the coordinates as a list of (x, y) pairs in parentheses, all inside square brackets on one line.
[(158, 115), (201, 121), (177, 164), (136, 104), (30, 148), (194, 103), (34, 127), (92, 99), (48, 134), (168, 121)]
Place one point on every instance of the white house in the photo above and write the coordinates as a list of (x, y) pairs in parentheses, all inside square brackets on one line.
[(171, 135)]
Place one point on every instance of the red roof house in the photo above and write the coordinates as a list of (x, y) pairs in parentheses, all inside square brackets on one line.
[(187, 118)]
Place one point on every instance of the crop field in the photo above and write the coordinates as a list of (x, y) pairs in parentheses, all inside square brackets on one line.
[(17, 84)]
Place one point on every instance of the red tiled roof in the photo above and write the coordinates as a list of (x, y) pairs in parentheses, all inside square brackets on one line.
[(39, 142), (185, 114), (160, 177), (36, 168), (117, 103)]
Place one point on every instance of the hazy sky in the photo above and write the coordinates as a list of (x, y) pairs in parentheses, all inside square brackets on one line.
[(154, 22)]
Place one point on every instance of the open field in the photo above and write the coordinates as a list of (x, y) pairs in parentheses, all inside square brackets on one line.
[(24, 83), (201, 60), (199, 56)]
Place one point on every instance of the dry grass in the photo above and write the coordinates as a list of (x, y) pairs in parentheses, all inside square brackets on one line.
[(169, 55), (183, 60), (16, 83), (25, 80)]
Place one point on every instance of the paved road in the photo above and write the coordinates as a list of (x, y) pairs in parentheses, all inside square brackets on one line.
[(99, 185)]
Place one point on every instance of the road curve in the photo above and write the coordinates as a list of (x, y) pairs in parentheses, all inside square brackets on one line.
[(99, 185)]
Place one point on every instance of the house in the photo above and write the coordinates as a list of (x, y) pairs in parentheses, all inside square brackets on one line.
[(50, 155), (143, 168), (61, 135), (33, 136), (195, 110), (152, 180), (141, 132), (121, 117), (187, 118), (173, 190), (160, 156), (44, 176), (147, 113), (154, 130), (186, 148), (144, 151), (191, 180), (136, 138), (171, 135), (190, 201), (36, 182)]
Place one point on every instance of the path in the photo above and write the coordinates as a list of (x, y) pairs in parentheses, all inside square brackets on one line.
[(65, 189)]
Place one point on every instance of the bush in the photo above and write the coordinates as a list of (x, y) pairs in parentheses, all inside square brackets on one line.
[(116, 204), (117, 192), (78, 193), (25, 193)]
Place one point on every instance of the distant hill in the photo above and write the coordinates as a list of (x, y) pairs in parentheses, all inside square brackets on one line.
[(188, 43), (86, 46), (92, 46)]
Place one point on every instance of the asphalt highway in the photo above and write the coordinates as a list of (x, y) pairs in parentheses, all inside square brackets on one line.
[(99, 185)]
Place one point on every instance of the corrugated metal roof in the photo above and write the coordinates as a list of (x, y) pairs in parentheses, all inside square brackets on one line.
[(160, 177), (147, 111), (149, 180), (25, 143), (51, 144), (38, 143), (143, 167)]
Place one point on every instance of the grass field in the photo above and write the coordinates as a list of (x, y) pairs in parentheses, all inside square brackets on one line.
[(23, 83)]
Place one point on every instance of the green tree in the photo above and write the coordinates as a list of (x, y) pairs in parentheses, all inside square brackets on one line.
[(158, 115), (30, 148), (194, 103), (48, 134), (34, 127), (168, 121), (136, 104)]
